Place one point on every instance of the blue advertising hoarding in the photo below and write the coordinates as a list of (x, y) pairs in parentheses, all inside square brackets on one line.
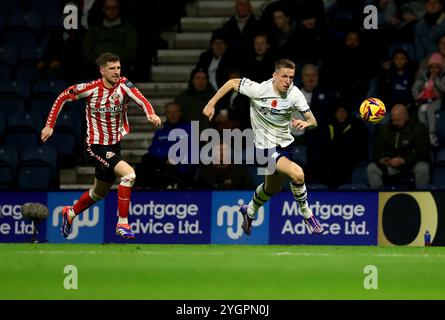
[(163, 217), (13, 227), (227, 220), (88, 227), (347, 220)]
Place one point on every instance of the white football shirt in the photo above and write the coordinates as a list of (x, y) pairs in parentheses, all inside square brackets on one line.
[(270, 114)]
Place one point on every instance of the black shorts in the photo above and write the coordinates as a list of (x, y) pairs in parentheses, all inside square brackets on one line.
[(104, 158)]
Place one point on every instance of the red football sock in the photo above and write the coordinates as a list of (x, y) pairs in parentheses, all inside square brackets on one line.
[(84, 202), (123, 200)]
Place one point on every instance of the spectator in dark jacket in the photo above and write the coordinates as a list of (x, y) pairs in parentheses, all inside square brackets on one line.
[(401, 148), (342, 146), (260, 64), (193, 99), (396, 82), (217, 60), (241, 27)]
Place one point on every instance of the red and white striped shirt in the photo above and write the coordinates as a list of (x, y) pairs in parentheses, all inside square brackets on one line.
[(106, 109)]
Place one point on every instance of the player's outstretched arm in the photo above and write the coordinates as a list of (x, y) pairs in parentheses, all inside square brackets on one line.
[(209, 109)]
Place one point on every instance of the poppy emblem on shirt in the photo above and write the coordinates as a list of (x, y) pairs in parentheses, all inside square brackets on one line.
[(274, 103)]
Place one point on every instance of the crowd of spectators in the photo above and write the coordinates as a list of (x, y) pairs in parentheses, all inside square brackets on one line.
[(339, 64)]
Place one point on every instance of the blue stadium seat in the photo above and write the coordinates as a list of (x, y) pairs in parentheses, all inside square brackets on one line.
[(42, 155), (27, 73), (31, 55), (41, 107), (353, 186), (20, 39), (8, 55), (45, 7), (8, 165), (299, 155), (23, 130), (10, 106), (5, 71), (440, 127), (48, 88), (33, 178), (25, 22), (438, 177), (14, 89)]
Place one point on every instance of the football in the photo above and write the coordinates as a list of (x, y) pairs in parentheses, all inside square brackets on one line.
[(372, 110)]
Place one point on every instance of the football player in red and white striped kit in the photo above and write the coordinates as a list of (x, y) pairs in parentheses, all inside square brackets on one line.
[(106, 114)]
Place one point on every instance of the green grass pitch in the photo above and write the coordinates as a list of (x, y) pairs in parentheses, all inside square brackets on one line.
[(222, 272)]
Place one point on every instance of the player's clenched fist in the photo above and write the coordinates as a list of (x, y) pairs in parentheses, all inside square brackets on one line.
[(46, 133), (209, 111), (155, 120)]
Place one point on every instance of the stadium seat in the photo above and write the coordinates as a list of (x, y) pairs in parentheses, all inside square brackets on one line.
[(359, 174), (27, 73), (39, 156), (33, 178), (353, 186), (440, 127), (66, 139), (48, 88), (11, 106), (299, 155), (14, 89), (23, 130), (20, 39), (8, 55), (31, 55), (8, 165), (438, 177), (45, 7), (5, 71), (25, 22)]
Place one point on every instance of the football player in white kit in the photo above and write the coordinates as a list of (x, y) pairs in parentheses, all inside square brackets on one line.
[(271, 105)]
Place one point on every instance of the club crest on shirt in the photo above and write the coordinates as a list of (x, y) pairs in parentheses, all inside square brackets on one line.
[(115, 97), (80, 86), (109, 154)]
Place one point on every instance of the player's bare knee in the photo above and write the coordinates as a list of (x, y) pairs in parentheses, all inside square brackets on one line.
[(128, 180), (297, 176)]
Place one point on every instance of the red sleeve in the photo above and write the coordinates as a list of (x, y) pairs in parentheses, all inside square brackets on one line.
[(72, 93), (137, 97), (67, 95)]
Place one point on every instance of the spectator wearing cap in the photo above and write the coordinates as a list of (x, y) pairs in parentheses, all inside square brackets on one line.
[(195, 97), (427, 91), (241, 27), (429, 29), (217, 60)]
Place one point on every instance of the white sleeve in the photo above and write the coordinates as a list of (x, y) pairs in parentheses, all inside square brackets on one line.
[(249, 88), (300, 103)]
